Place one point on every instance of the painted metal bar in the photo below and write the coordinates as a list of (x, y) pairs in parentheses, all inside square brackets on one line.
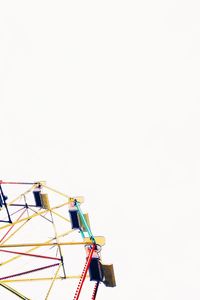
[(34, 248), (5, 204), (3, 221), (28, 254), (14, 232), (59, 215), (55, 191), (23, 205), (85, 223), (95, 290), (45, 244), (17, 211), (29, 271), (14, 213), (15, 292), (42, 279), (25, 193), (14, 182), (44, 217), (57, 240), (82, 233), (12, 226), (84, 273), (50, 288), (34, 215)]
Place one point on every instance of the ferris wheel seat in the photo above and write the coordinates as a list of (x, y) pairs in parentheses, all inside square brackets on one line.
[(45, 201), (16, 212), (109, 276), (95, 271), (74, 219), (37, 197), (82, 225)]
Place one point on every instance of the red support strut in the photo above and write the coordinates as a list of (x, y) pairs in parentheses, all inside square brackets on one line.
[(84, 273), (28, 254), (95, 290), (28, 272)]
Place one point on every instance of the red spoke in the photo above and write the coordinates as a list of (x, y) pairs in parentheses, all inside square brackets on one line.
[(33, 255), (30, 271), (13, 182)]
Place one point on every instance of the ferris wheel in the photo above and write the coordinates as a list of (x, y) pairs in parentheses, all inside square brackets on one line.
[(37, 226)]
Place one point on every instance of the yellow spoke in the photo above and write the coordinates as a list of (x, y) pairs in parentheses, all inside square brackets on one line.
[(34, 248), (54, 278)]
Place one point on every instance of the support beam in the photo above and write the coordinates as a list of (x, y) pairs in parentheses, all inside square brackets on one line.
[(45, 244), (41, 279), (34, 215), (14, 291), (34, 248)]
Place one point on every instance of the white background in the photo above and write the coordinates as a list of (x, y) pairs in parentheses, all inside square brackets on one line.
[(101, 99)]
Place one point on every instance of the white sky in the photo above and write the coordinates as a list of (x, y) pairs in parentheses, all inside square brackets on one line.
[(101, 99)]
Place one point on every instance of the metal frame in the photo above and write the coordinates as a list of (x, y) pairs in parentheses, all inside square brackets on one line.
[(17, 223)]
